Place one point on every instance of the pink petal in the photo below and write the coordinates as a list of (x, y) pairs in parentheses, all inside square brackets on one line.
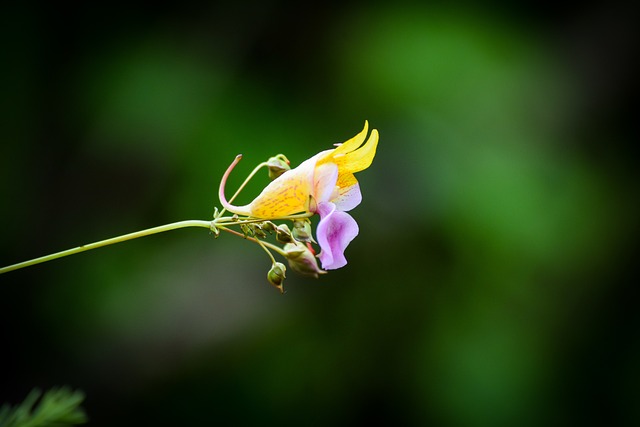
[(335, 231), (324, 181)]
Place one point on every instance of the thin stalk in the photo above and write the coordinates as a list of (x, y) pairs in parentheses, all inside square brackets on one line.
[(251, 175), (246, 181), (229, 220), (260, 242), (273, 260), (113, 240)]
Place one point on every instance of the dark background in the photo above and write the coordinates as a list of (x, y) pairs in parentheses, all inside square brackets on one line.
[(492, 280)]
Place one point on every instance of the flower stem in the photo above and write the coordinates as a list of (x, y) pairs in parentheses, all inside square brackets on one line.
[(246, 181), (273, 260), (221, 222), (261, 243), (113, 240), (229, 220)]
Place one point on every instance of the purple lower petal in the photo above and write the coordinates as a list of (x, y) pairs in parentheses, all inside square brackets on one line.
[(335, 231)]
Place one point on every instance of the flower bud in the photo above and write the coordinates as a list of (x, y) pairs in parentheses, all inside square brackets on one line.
[(302, 260), (277, 165), (283, 234), (268, 226), (258, 232), (246, 230), (302, 230), (276, 276)]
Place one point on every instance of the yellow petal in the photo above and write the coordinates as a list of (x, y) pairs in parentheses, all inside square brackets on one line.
[(353, 143), (281, 200), (286, 195), (360, 159), (346, 180)]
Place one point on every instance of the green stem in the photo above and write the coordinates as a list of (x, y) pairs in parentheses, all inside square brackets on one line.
[(229, 220), (273, 260), (267, 244), (220, 222), (113, 240)]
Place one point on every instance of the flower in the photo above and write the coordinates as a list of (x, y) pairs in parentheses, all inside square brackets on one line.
[(324, 184)]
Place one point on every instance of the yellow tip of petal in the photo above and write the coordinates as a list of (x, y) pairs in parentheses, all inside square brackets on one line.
[(354, 142), (361, 158)]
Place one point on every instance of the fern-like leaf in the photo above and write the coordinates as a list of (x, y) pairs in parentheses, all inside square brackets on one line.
[(58, 407)]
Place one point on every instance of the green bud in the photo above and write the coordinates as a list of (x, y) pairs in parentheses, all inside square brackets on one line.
[(277, 165), (276, 276), (268, 226), (302, 260), (294, 250), (257, 231), (246, 230), (283, 234), (302, 230)]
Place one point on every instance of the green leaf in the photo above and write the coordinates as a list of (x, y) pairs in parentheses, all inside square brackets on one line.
[(58, 407)]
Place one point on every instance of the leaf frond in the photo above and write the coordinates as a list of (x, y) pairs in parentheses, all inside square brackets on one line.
[(58, 407)]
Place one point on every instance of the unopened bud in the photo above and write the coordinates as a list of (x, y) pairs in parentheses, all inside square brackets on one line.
[(277, 165), (302, 230), (257, 231), (283, 234), (276, 276), (302, 260), (246, 230), (268, 226)]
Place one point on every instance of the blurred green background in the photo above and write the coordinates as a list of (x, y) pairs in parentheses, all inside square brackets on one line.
[(492, 278)]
